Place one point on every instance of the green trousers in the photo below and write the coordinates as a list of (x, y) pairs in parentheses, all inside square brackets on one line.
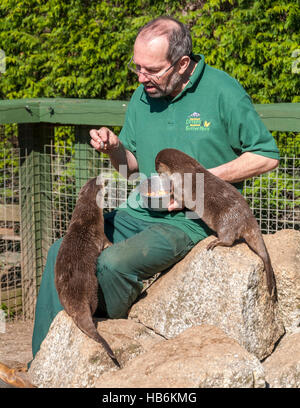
[(141, 249)]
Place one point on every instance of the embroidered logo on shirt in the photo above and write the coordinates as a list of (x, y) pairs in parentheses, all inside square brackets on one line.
[(194, 122)]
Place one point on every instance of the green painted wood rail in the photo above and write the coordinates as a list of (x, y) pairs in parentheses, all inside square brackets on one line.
[(278, 116)]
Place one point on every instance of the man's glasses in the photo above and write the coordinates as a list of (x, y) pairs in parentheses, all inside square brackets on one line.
[(134, 69)]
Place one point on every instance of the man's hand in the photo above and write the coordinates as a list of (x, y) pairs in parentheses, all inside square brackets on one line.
[(174, 206), (104, 140)]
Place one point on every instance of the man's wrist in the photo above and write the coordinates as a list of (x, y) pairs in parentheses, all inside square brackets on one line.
[(218, 172)]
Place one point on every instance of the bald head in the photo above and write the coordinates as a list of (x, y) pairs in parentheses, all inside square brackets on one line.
[(176, 33)]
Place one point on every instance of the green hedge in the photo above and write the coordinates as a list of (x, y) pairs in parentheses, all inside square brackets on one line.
[(80, 48)]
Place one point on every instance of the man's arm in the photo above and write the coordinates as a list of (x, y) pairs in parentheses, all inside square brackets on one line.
[(246, 166), (104, 140)]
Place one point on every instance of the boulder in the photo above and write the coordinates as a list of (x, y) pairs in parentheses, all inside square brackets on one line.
[(205, 323), (200, 357), (225, 287), (69, 359), (282, 368)]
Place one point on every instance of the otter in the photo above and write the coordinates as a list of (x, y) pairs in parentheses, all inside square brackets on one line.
[(75, 269), (224, 209)]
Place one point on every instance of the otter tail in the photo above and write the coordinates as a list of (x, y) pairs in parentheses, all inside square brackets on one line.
[(85, 323), (258, 246)]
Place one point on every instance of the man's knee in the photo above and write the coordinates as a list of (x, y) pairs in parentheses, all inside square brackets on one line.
[(119, 283), (119, 259), (107, 264)]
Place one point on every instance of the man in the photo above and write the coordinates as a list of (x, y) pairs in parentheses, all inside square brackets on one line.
[(181, 103), (185, 104)]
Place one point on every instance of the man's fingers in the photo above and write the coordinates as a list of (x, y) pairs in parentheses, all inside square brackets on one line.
[(99, 138), (175, 206), (103, 134), (103, 139), (95, 144)]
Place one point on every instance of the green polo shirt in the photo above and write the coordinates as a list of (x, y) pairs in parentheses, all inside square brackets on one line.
[(212, 120)]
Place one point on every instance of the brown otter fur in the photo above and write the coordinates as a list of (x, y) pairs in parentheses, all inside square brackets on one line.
[(224, 209), (75, 269)]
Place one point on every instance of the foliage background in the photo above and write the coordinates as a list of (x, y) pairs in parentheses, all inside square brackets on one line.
[(80, 48)]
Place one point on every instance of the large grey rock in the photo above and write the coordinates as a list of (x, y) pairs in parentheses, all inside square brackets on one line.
[(282, 368), (204, 293), (68, 358), (225, 287), (200, 357)]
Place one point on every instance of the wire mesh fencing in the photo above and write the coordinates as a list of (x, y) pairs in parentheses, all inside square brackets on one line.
[(10, 234), (275, 197), (38, 192)]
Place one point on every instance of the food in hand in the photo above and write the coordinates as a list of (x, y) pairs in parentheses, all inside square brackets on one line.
[(156, 193)]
